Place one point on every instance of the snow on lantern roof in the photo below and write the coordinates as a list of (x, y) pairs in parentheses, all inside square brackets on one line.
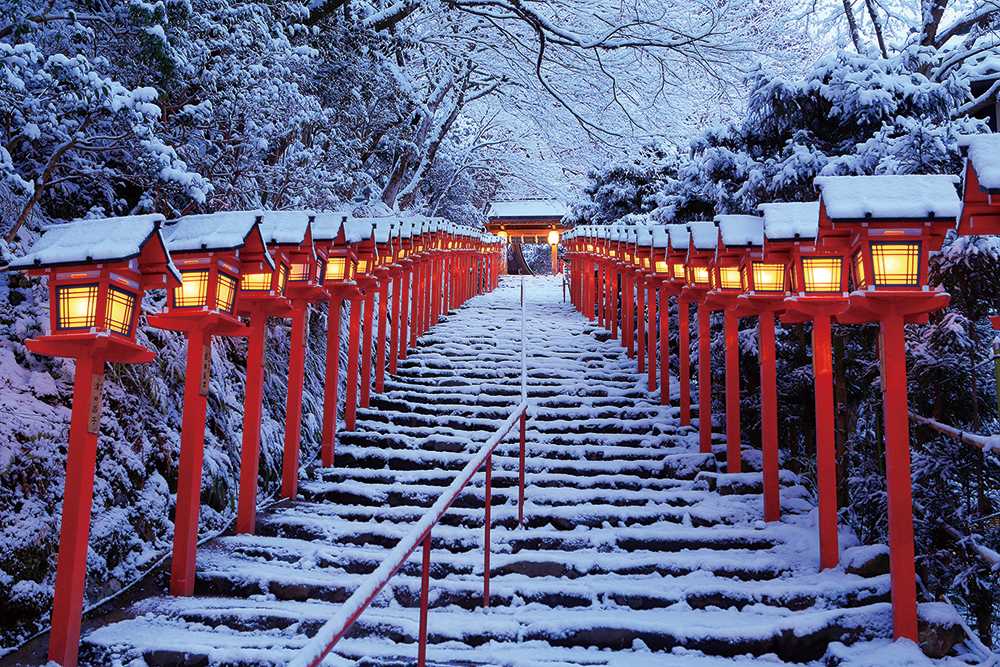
[(661, 236), (285, 227), (211, 231), (91, 241), (383, 230), (889, 197), (327, 226), (704, 235), (527, 208), (644, 236), (741, 230), (680, 236), (357, 230), (787, 221), (984, 154)]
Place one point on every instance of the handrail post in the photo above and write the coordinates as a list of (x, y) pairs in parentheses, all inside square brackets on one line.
[(486, 542), (424, 589), (520, 492)]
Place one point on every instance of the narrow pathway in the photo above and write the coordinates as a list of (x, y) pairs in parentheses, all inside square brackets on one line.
[(636, 551)]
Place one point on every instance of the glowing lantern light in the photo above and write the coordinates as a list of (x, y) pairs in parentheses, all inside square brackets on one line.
[(97, 272), (894, 232)]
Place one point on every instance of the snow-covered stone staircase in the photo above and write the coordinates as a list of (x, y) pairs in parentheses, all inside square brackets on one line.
[(636, 549)]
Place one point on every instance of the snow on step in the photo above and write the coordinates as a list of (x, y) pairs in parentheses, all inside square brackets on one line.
[(636, 549)]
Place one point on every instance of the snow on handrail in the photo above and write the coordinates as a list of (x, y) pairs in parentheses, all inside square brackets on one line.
[(333, 630)]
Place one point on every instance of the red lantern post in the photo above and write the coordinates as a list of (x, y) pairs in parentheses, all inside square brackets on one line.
[(212, 252), (890, 224), (818, 293), (262, 295), (97, 273), (703, 238), (289, 233), (360, 232), (737, 235), (339, 265)]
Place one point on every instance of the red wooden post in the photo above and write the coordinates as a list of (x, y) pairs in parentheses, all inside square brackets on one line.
[(769, 416), (395, 328), (613, 299), (425, 581), (684, 358), (253, 404), (704, 378), (368, 337), (74, 531), (418, 300), (826, 450), (331, 385), (628, 311), (353, 349), (640, 346), (182, 567), (733, 446), (486, 541), (383, 326), (437, 290), (651, 335), (293, 402), (404, 314), (900, 500), (520, 481)]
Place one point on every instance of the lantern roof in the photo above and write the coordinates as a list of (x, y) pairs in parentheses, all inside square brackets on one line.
[(704, 235), (286, 227), (216, 232), (790, 221), (644, 236), (382, 228), (357, 230), (99, 241), (327, 226), (660, 236), (888, 197), (740, 231), (680, 236), (984, 158)]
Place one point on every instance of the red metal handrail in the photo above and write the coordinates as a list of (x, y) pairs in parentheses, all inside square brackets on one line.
[(338, 626)]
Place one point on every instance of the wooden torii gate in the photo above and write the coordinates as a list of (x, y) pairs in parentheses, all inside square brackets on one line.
[(528, 221)]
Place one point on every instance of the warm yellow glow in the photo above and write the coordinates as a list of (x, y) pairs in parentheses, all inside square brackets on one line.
[(256, 282), (363, 267), (645, 262), (76, 306), (590, 247), (896, 263), (340, 267), (225, 293), (822, 274), (121, 307), (768, 277), (553, 238), (628, 257), (299, 273), (729, 277), (662, 266), (745, 279), (613, 252), (401, 254), (193, 292), (282, 278), (698, 275), (502, 234), (678, 271), (859, 271)]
